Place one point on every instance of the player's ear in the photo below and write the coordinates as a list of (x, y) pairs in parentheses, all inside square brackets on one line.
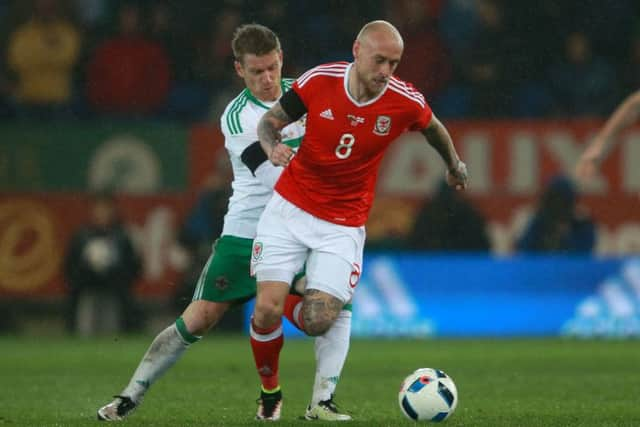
[(356, 48), (239, 68)]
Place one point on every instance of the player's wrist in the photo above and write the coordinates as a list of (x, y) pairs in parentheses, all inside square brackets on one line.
[(454, 166)]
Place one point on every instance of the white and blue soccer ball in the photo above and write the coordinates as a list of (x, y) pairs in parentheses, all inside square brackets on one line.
[(428, 395)]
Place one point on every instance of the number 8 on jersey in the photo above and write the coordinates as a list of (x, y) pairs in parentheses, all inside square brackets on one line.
[(343, 150)]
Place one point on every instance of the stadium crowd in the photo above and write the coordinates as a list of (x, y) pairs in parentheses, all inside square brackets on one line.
[(170, 59)]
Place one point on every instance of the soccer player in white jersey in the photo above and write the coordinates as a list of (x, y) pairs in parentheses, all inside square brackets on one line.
[(259, 63), (323, 197)]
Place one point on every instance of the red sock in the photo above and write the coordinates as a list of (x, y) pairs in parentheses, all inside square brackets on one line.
[(294, 316), (266, 344)]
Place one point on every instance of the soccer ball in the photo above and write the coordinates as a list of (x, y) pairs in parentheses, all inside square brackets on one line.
[(428, 395)]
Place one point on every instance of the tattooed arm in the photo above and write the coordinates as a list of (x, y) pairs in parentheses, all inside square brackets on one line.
[(269, 134)]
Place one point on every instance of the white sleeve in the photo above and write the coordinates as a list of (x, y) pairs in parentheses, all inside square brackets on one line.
[(268, 174), (236, 142)]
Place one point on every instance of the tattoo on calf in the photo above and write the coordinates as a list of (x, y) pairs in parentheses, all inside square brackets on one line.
[(319, 311)]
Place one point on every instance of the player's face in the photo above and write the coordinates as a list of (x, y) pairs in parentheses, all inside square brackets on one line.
[(376, 58), (262, 74)]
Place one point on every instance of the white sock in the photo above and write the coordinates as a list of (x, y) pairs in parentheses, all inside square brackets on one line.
[(331, 352), (163, 353)]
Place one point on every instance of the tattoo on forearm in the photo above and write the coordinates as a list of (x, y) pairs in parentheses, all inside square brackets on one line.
[(267, 131), (280, 115), (271, 123)]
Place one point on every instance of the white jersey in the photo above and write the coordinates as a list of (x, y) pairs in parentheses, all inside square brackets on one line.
[(239, 124)]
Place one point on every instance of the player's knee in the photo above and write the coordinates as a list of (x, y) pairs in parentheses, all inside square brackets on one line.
[(267, 312), (200, 316)]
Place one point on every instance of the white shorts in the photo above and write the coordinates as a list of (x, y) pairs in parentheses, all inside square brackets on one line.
[(288, 237)]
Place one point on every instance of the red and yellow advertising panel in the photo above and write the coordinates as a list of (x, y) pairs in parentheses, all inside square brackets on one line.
[(35, 231), (509, 163)]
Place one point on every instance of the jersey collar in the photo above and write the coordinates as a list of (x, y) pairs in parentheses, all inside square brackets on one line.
[(259, 103), (352, 99)]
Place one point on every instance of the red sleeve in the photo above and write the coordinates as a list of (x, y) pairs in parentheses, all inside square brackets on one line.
[(420, 107), (307, 84), (423, 119), (423, 110), (311, 82), (302, 92)]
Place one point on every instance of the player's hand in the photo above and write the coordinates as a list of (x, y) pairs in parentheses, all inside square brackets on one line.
[(281, 155), (588, 164), (457, 176)]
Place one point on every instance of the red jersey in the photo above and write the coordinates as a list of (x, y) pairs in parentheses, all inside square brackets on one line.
[(333, 175)]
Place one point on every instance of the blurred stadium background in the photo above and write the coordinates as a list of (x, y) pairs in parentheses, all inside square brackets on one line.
[(522, 87)]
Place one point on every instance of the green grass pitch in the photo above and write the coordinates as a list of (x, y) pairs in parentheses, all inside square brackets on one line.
[(532, 382)]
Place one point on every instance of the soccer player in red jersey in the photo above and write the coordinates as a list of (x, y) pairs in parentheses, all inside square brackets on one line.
[(322, 199)]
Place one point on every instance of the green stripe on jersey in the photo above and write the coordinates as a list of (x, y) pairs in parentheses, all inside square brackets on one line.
[(236, 115), (286, 84), (293, 143), (255, 100), (233, 117), (234, 105)]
